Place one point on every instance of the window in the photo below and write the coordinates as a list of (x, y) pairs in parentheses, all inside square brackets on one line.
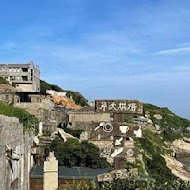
[(25, 69), (24, 78), (7, 97)]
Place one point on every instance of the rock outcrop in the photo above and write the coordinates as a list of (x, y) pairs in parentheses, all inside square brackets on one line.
[(177, 168), (181, 148), (65, 102)]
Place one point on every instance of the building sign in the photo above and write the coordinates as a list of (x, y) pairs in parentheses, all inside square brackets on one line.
[(119, 106), (109, 130)]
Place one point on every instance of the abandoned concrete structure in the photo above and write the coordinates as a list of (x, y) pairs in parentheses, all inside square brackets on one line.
[(111, 134), (55, 93), (40, 105), (16, 160), (8, 94), (82, 118), (25, 77), (43, 107)]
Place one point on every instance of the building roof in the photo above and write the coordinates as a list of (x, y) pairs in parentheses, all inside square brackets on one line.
[(15, 65), (70, 173)]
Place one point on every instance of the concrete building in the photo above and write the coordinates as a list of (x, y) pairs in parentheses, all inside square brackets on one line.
[(25, 77), (55, 93), (84, 117)]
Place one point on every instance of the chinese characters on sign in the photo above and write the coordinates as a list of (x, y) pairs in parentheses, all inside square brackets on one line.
[(124, 106)]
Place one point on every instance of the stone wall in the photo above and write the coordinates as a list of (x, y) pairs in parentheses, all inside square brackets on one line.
[(46, 113), (8, 97), (14, 174), (77, 118)]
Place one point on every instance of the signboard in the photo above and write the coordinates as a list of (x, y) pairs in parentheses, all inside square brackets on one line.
[(119, 106), (108, 130)]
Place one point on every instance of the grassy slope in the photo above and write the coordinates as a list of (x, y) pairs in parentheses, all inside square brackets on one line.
[(152, 145), (29, 121), (77, 97), (172, 126)]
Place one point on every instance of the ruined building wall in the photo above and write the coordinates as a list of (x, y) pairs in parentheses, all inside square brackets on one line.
[(88, 117), (26, 77), (36, 108), (14, 175)]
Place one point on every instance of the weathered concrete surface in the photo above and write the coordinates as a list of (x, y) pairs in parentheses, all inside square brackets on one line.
[(14, 174), (51, 173), (87, 117)]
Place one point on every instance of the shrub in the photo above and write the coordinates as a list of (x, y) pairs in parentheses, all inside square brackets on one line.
[(77, 97), (74, 132), (129, 184), (3, 81), (29, 121), (73, 153)]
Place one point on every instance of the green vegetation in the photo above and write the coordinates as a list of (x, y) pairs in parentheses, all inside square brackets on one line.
[(129, 118), (168, 118), (74, 132), (137, 164), (29, 121), (77, 97), (152, 147), (3, 81), (75, 153), (46, 86), (128, 184), (172, 126)]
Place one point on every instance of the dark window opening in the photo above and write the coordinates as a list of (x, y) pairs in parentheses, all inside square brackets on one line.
[(25, 98), (24, 78), (25, 69), (7, 97)]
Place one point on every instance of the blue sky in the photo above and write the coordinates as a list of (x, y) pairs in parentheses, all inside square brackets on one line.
[(131, 49)]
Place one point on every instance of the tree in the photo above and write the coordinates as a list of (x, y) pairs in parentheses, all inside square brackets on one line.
[(73, 153)]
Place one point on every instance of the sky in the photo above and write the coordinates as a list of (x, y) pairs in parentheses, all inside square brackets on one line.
[(110, 49)]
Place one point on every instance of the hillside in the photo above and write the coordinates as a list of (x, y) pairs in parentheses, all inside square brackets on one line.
[(161, 128), (77, 97), (3, 81), (65, 102), (171, 125)]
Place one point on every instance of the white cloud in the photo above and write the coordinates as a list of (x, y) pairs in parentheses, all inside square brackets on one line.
[(173, 51)]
